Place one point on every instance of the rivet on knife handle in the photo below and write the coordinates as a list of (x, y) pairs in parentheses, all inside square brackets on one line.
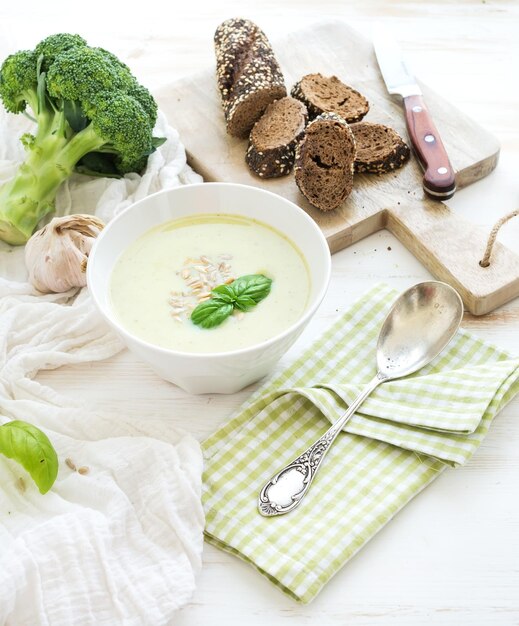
[(439, 181)]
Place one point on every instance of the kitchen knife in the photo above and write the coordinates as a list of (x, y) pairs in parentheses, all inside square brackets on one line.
[(439, 181)]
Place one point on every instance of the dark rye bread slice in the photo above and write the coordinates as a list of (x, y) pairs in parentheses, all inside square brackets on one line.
[(323, 94), (274, 137), (380, 149), (324, 162), (249, 77)]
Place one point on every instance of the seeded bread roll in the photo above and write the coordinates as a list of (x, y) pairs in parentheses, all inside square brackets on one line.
[(249, 77), (324, 162), (323, 94), (380, 149), (273, 139)]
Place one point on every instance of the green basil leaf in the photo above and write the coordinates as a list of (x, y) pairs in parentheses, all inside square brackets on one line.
[(244, 303), (226, 292), (255, 286), (223, 296), (30, 447), (211, 313), (243, 293)]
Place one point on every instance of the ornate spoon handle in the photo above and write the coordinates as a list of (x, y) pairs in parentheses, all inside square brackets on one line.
[(285, 490)]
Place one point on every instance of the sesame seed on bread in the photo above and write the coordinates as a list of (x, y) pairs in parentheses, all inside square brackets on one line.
[(249, 77)]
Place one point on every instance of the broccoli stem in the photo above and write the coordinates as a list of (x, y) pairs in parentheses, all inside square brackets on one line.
[(30, 195)]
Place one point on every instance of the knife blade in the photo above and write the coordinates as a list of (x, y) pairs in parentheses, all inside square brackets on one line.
[(439, 181)]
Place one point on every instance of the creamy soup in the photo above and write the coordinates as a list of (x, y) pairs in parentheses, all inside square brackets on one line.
[(165, 273)]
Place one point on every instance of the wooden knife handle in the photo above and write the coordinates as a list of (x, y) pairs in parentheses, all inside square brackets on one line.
[(439, 181)]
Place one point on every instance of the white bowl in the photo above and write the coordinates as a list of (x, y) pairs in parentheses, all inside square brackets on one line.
[(222, 372)]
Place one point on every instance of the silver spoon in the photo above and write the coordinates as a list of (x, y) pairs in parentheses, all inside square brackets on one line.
[(419, 325)]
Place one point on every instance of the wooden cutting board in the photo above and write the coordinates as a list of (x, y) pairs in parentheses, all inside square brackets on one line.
[(449, 246)]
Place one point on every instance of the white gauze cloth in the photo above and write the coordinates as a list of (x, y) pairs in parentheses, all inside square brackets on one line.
[(122, 543)]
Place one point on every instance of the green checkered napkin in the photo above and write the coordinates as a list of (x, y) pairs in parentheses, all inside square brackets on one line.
[(408, 431)]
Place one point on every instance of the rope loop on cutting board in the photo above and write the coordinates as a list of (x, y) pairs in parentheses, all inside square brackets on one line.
[(485, 261)]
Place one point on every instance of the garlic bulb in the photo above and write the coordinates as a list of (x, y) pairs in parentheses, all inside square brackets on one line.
[(56, 256)]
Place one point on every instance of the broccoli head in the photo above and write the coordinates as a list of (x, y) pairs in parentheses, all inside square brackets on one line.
[(92, 116)]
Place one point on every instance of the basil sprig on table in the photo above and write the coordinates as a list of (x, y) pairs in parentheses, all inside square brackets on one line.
[(30, 447), (243, 294)]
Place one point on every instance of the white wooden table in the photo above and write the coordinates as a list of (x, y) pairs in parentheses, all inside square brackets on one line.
[(452, 556)]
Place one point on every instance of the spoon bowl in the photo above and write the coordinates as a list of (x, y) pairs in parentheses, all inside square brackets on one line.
[(417, 328)]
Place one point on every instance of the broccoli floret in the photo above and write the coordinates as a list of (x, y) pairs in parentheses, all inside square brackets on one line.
[(82, 73), (92, 116), (116, 61), (125, 127), (146, 100), (19, 81), (54, 46)]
